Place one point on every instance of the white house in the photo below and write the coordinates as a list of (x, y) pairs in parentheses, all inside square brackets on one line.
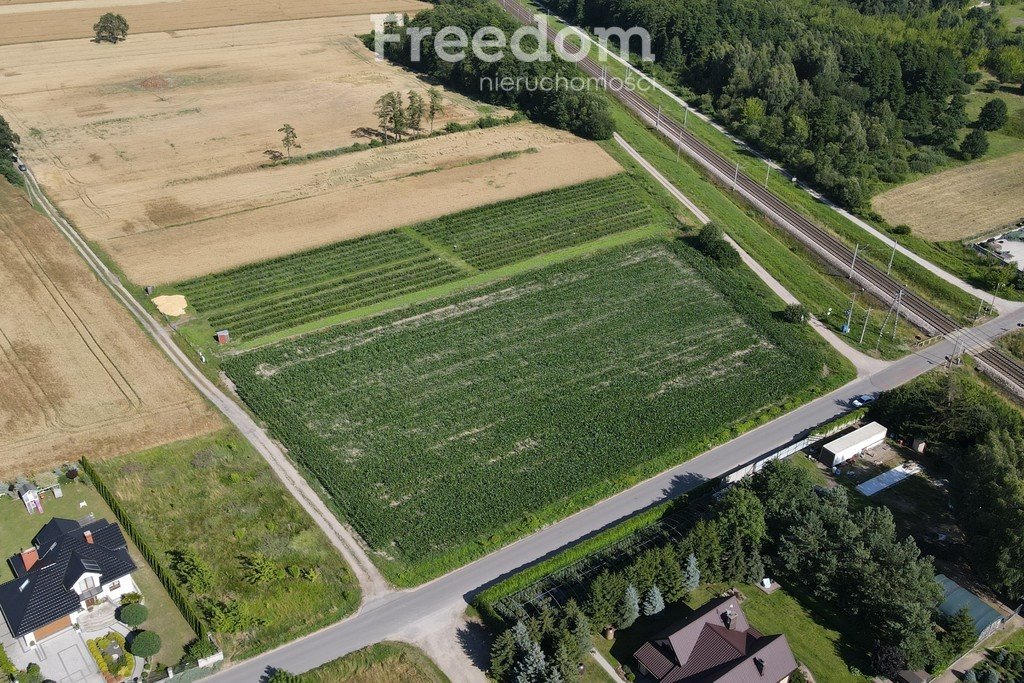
[(856, 442), (70, 567)]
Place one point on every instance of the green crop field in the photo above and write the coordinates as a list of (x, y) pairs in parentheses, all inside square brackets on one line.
[(448, 428), (264, 298)]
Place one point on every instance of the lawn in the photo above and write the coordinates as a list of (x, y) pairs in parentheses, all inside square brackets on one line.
[(17, 528), (216, 497), (385, 662), (814, 635), (289, 292), (447, 429)]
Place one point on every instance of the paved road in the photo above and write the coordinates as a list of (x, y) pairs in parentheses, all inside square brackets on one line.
[(370, 580), (398, 612)]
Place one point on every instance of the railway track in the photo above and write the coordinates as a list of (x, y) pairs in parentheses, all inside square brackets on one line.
[(825, 244)]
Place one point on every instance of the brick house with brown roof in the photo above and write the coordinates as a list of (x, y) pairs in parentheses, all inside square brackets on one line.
[(717, 644)]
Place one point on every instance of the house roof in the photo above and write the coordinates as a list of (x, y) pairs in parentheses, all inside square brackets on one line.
[(45, 591), (717, 644), (957, 597)]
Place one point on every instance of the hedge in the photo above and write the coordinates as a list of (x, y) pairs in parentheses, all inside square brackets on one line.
[(184, 605)]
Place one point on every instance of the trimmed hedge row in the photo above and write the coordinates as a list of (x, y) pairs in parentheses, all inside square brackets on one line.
[(184, 605)]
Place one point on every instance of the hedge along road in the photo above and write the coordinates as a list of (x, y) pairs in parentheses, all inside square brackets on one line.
[(371, 583)]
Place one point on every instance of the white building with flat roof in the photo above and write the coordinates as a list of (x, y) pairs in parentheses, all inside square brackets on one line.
[(856, 442)]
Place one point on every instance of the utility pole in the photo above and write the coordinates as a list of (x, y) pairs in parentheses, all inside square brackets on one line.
[(678, 147), (864, 329), (657, 120), (686, 114), (849, 314), (736, 176), (891, 257), (881, 330), (896, 321), (767, 173), (853, 263)]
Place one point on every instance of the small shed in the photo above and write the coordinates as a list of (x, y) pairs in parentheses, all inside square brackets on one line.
[(840, 450), (987, 619), (29, 493), (223, 337)]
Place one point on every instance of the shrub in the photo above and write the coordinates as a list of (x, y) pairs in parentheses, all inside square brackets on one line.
[(901, 229), (133, 614), (145, 644), (794, 313), (131, 599), (974, 145), (200, 648), (993, 115)]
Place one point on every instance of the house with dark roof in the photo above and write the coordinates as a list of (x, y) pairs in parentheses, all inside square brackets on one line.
[(71, 566), (717, 644)]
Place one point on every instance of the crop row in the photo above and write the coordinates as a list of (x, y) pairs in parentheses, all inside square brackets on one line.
[(299, 307), (438, 426), (211, 292)]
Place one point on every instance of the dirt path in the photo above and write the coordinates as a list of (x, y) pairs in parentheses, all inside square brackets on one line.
[(371, 582), (864, 363)]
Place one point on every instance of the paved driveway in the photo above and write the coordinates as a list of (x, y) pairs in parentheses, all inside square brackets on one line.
[(64, 657)]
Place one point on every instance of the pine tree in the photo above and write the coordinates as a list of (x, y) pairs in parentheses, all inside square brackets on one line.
[(579, 625), (531, 667), (671, 576), (564, 660), (521, 637), (629, 608), (691, 575), (970, 677), (503, 655), (755, 567), (653, 602), (603, 602)]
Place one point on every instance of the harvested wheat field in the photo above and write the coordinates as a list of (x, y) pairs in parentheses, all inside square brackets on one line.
[(155, 148), (30, 22), (78, 376), (963, 202)]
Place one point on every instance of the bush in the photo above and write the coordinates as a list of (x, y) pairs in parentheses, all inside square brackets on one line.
[(993, 115), (794, 313), (131, 599), (145, 644), (901, 229), (200, 648), (711, 242), (974, 145), (132, 614)]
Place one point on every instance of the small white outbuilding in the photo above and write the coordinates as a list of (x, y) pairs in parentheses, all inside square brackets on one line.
[(856, 442)]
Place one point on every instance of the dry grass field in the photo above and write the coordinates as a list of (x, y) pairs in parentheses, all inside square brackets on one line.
[(78, 376), (959, 203), (30, 22), (154, 147)]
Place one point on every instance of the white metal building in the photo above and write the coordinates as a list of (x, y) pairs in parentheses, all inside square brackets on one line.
[(845, 447)]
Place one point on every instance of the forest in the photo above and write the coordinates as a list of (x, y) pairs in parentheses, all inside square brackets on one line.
[(849, 95)]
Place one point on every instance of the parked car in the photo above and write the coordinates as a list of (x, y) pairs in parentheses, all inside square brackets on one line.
[(863, 400)]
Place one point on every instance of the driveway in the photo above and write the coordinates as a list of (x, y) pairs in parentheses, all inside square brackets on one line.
[(61, 657)]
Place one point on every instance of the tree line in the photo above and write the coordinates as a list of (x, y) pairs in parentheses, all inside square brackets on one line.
[(9, 141), (979, 440), (777, 523), (580, 111), (850, 100)]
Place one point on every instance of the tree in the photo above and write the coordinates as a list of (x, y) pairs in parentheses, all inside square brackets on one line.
[(990, 676), (629, 607), (415, 110), (603, 601), (993, 115), (579, 626), (691, 575), (390, 114), (970, 677), (888, 660), (110, 28), (960, 634), (200, 648), (974, 145), (794, 313), (145, 644), (290, 139), (503, 655), (653, 602), (132, 615), (531, 666), (9, 142), (670, 576), (282, 676), (435, 105)]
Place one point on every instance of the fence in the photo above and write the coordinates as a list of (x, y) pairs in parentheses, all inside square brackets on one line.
[(183, 604)]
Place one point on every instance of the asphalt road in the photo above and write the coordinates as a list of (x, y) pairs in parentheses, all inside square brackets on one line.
[(389, 616)]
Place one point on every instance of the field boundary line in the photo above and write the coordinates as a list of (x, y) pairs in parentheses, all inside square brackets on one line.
[(864, 363), (440, 250), (371, 582)]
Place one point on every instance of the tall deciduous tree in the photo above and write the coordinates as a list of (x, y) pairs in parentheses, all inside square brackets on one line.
[(415, 110), (290, 139), (435, 105)]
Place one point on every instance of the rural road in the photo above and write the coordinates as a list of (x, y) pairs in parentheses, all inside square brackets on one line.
[(370, 580), (392, 615)]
